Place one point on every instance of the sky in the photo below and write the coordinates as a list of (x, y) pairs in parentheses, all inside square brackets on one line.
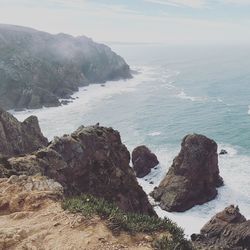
[(136, 21)]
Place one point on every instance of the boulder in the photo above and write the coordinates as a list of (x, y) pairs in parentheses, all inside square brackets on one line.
[(193, 177), (223, 152), (19, 137), (228, 229), (143, 161), (91, 160)]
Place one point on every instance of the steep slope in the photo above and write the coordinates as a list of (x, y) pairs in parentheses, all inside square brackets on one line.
[(37, 68)]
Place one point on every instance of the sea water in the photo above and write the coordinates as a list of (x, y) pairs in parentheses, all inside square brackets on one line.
[(177, 91)]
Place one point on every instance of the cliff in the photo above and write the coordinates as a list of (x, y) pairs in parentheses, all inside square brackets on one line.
[(37, 68)]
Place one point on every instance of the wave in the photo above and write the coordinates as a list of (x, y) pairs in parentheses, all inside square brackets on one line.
[(68, 117), (156, 133), (184, 96)]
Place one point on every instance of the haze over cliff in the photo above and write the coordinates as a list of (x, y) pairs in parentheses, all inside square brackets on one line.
[(37, 68)]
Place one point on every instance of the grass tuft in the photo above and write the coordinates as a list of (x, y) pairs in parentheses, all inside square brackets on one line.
[(117, 220)]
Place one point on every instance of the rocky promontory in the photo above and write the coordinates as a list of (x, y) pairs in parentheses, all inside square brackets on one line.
[(19, 137), (193, 177), (91, 160), (228, 229), (38, 68)]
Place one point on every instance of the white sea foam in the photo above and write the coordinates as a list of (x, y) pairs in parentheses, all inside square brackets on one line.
[(67, 118), (184, 96), (155, 133)]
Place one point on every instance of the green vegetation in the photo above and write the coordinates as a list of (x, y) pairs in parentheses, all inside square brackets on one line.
[(117, 221)]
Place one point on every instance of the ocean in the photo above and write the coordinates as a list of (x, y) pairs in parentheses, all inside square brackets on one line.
[(177, 91)]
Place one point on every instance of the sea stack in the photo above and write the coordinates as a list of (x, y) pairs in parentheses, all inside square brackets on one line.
[(143, 161), (193, 177)]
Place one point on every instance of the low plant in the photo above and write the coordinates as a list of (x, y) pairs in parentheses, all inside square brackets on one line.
[(118, 220)]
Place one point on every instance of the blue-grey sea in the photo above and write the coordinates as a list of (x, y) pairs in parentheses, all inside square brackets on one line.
[(177, 91)]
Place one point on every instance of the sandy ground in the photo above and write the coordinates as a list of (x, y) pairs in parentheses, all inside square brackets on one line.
[(31, 218)]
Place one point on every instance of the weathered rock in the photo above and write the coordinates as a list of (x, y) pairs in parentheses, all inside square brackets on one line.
[(19, 138), (193, 177), (91, 160), (228, 229), (143, 161), (223, 152)]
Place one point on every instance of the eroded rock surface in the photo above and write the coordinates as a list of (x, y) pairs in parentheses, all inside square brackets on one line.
[(91, 160), (193, 177), (143, 161), (19, 137), (228, 229)]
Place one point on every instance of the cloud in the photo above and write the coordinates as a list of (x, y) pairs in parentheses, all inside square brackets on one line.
[(181, 3)]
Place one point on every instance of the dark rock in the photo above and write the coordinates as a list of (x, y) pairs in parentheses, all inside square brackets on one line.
[(193, 177), (223, 152), (143, 161), (91, 160), (37, 68), (228, 229), (19, 137), (65, 102)]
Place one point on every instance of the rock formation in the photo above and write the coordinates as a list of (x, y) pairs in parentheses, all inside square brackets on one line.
[(37, 68), (193, 177), (91, 160), (228, 229), (143, 161), (19, 137)]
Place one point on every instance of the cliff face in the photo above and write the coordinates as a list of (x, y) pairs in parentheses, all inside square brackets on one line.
[(19, 137), (91, 160), (37, 68)]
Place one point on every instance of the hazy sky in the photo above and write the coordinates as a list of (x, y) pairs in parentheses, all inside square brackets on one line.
[(163, 21)]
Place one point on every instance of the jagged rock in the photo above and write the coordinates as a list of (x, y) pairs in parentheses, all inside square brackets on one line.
[(38, 68), (193, 177), (19, 137), (143, 161), (91, 160), (223, 152), (228, 229)]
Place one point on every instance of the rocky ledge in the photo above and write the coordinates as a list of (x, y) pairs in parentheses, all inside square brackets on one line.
[(19, 137), (91, 160), (193, 177), (228, 229)]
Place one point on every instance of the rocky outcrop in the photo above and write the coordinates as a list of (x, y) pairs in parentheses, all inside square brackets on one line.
[(19, 137), (143, 161), (193, 177), (91, 160), (228, 229), (38, 68)]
